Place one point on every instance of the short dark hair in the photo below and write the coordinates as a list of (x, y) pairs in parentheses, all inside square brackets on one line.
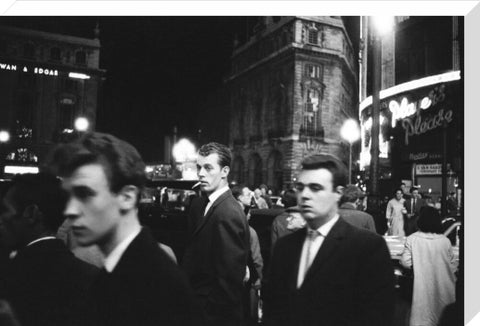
[(330, 163), (429, 220), (289, 198), (350, 194), (413, 189), (236, 191), (121, 162), (224, 153), (43, 190), (398, 189)]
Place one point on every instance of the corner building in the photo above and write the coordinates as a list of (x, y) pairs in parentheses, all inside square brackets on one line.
[(292, 85)]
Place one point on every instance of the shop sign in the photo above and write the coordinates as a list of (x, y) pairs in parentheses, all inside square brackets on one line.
[(417, 126), (428, 169), (423, 156), (35, 70)]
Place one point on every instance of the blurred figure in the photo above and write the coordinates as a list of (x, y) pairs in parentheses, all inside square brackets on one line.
[(330, 272), (279, 224), (139, 284), (430, 255), (266, 194), (405, 190), (216, 255), (246, 198), (394, 214), (349, 212), (43, 281), (413, 205), (7, 317), (259, 201)]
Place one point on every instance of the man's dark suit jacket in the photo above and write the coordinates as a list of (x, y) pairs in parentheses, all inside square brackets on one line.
[(145, 288), (350, 281), (410, 223), (357, 218), (47, 285), (216, 257)]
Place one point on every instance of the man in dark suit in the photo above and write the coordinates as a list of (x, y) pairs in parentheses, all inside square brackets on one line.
[(140, 284), (43, 281), (216, 257), (329, 273), (349, 212), (413, 205)]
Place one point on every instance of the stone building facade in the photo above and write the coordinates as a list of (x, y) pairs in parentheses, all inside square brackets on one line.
[(292, 85), (46, 81)]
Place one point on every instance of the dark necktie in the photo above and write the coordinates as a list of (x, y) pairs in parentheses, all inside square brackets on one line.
[(205, 204), (413, 206)]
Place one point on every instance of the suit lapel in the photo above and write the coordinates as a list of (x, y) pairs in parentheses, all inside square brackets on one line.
[(204, 219), (296, 253), (329, 246)]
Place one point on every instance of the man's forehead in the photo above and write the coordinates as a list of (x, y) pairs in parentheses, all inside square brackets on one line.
[(315, 176), (209, 159), (86, 174)]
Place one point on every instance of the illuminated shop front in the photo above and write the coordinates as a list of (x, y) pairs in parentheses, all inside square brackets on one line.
[(421, 128)]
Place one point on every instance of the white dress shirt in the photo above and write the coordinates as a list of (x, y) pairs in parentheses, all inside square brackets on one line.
[(114, 257), (310, 248), (214, 196)]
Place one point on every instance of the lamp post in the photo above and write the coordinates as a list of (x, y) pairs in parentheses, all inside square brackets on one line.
[(382, 25), (350, 133)]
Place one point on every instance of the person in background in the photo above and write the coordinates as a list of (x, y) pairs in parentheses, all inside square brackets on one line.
[(349, 212), (259, 201), (405, 190), (394, 214), (279, 224), (413, 205), (44, 282), (266, 195), (139, 284), (329, 273), (430, 255), (216, 256)]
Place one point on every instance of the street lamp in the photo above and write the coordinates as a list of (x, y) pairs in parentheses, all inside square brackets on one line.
[(351, 133), (184, 152), (81, 124), (4, 136)]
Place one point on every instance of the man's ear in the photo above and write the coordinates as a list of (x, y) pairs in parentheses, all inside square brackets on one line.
[(226, 171), (33, 214), (128, 197)]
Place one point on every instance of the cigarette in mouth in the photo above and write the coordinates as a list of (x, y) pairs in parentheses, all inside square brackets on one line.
[(196, 185)]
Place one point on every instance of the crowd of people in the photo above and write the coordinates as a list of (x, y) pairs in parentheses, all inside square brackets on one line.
[(328, 264)]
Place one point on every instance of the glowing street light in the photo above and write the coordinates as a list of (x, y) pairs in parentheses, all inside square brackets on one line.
[(184, 151), (351, 133), (81, 124), (4, 136)]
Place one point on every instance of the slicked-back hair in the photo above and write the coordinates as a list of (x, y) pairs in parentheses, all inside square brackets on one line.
[(121, 162), (330, 163), (44, 191), (223, 152), (429, 220)]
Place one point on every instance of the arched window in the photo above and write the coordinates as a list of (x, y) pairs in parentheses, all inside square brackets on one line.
[(237, 170), (80, 58), (254, 170), (275, 171)]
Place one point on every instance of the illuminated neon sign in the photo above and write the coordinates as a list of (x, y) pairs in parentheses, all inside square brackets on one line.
[(35, 70)]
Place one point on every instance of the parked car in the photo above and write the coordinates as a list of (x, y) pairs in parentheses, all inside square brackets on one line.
[(163, 207)]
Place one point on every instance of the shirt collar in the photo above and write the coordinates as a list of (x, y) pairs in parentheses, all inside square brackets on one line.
[(217, 193), (113, 258), (325, 228)]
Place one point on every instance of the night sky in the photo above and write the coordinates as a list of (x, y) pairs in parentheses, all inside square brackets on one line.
[(159, 70)]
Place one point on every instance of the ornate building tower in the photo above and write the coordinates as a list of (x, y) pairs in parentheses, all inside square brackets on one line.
[(292, 85)]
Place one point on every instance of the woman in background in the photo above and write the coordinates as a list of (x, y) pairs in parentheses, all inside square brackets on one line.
[(394, 214), (430, 255)]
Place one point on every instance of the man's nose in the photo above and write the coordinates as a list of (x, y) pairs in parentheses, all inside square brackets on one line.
[(71, 210)]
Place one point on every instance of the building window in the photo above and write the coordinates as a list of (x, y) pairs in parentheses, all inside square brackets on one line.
[(80, 58), (28, 50), (313, 71), (311, 125), (55, 54), (313, 36)]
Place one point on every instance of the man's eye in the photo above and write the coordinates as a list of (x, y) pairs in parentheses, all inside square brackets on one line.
[(315, 187), (83, 193)]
